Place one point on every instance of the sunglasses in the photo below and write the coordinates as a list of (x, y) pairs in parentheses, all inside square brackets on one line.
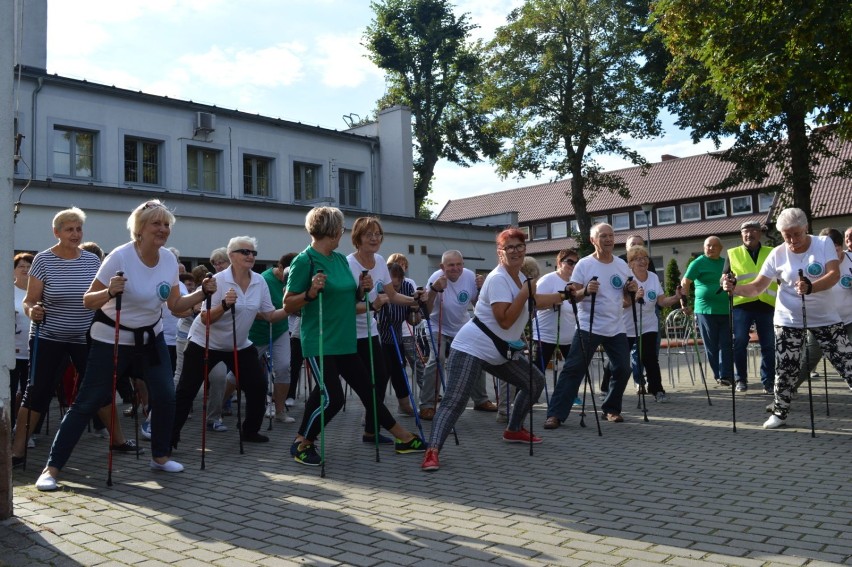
[(570, 262), (246, 252)]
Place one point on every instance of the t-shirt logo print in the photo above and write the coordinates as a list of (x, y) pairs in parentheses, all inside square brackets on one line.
[(616, 281), (815, 269), (463, 297), (652, 295), (846, 282), (163, 290)]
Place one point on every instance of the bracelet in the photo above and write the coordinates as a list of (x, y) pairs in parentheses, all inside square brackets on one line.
[(109, 293), (308, 299)]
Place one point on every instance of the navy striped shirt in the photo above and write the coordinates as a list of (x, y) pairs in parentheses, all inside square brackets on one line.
[(394, 315), (65, 282)]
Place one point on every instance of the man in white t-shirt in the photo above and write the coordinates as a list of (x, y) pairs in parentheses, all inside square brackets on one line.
[(603, 276), (450, 292)]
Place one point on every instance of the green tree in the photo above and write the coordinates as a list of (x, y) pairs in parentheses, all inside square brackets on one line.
[(764, 72), (433, 68), (673, 277), (564, 85)]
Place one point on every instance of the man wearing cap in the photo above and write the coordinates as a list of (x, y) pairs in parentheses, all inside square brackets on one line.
[(745, 262)]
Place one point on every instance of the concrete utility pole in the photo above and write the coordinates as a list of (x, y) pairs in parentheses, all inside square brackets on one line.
[(7, 171)]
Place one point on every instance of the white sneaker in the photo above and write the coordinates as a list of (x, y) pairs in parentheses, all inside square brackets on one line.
[(289, 402), (283, 417), (46, 483), (270, 410), (661, 397), (145, 430), (217, 426), (102, 433), (168, 466), (774, 422)]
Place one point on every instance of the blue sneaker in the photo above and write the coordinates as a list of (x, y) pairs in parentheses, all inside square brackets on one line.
[(307, 455), (578, 401), (145, 430), (382, 439), (416, 445)]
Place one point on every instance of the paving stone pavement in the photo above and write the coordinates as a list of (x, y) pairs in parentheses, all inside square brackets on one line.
[(682, 489)]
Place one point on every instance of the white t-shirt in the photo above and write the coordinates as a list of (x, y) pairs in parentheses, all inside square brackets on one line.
[(843, 290), (457, 297), (381, 279), (647, 312), (255, 300), (145, 292), (22, 326), (783, 265), (499, 287), (609, 310), (544, 328)]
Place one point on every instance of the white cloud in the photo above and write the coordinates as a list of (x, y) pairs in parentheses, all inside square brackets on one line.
[(275, 66), (343, 60)]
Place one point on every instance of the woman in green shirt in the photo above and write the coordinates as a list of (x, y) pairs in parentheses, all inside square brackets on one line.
[(319, 269)]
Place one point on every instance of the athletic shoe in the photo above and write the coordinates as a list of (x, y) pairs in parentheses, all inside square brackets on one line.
[(502, 418), (270, 410), (614, 417), (307, 455), (372, 439), (216, 426), (552, 422), (660, 397), (294, 448), (282, 417), (742, 386), (416, 445), (103, 433), (430, 461), (769, 392), (31, 444), (405, 411), (774, 422), (289, 402), (46, 483), (255, 438), (578, 401), (168, 466), (129, 446), (520, 436), (725, 382), (145, 430)]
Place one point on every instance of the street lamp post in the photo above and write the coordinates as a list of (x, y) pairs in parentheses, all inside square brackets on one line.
[(647, 208)]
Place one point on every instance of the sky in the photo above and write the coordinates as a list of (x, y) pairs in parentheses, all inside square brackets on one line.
[(299, 60)]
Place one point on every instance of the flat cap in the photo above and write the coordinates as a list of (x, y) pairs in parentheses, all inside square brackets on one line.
[(751, 224)]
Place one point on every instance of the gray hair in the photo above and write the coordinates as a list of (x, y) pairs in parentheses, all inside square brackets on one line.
[(597, 228), (791, 218), (235, 242), (68, 215), (219, 255), (451, 254)]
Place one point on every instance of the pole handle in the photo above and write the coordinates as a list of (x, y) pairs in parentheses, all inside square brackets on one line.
[(119, 294)]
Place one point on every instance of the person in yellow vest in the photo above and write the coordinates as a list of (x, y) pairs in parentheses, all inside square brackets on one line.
[(745, 262)]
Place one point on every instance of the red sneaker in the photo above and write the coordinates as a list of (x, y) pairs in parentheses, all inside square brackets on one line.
[(522, 436), (430, 460)]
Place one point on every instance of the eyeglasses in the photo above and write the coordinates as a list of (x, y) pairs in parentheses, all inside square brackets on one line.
[(246, 252), (515, 248), (569, 261), (372, 235)]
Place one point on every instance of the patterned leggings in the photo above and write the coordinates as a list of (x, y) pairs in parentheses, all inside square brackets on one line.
[(788, 352), (463, 370)]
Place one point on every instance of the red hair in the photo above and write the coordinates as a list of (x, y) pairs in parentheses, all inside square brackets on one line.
[(510, 233)]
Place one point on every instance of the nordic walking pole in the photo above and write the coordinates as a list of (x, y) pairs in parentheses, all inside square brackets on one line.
[(114, 377), (369, 316), (586, 363), (438, 368), (640, 400), (694, 337), (825, 377), (233, 309), (541, 363), (32, 381), (802, 278), (557, 351), (730, 275), (321, 384), (531, 310), (207, 299), (270, 381), (407, 381), (642, 374)]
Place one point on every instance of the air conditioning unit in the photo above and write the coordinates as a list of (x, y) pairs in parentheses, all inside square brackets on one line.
[(205, 122)]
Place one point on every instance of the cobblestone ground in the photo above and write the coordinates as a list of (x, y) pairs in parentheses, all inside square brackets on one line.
[(682, 489)]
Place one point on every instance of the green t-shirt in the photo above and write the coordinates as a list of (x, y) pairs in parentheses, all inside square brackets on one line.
[(338, 302), (259, 332), (705, 274)]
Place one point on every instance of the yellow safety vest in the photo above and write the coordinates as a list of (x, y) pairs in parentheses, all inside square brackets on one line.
[(746, 270)]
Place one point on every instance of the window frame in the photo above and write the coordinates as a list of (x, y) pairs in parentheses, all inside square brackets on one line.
[(526, 231), (359, 176), (57, 128), (760, 199), (684, 217), (671, 210), (574, 226), (142, 139), (271, 159), (319, 190), (637, 215), (750, 210), (724, 212), (536, 231), (559, 229), (219, 153), (615, 223)]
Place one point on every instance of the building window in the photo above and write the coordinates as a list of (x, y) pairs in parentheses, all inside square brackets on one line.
[(666, 215), (525, 230), (690, 212), (600, 219), (715, 209), (74, 153), (141, 161), (202, 169), (621, 221), (257, 176), (640, 220), (558, 229), (540, 232), (305, 181), (764, 202), (349, 188), (741, 205), (575, 227)]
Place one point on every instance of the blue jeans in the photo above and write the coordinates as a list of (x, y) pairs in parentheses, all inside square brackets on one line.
[(716, 334), (96, 390), (743, 320), (571, 376)]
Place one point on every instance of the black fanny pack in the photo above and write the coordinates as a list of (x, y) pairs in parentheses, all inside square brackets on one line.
[(509, 350), (141, 351)]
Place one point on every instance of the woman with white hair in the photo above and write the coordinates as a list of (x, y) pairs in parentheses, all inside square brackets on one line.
[(239, 288), (148, 280), (816, 258)]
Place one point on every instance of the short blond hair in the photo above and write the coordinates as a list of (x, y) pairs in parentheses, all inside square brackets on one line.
[(148, 211), (321, 222), (68, 215)]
